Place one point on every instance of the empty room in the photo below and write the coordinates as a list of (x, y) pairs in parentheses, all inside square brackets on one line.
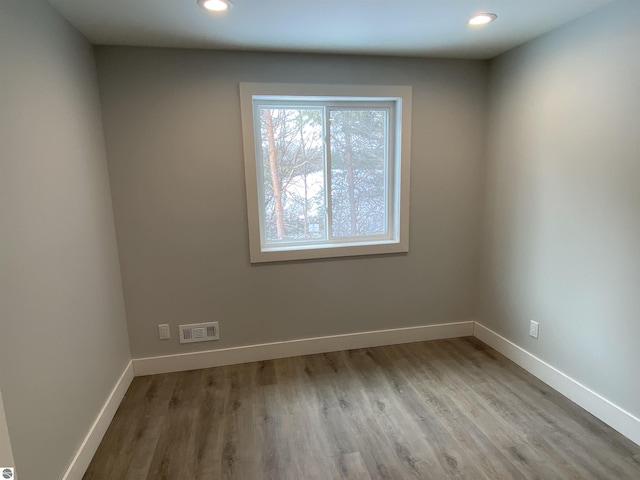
[(294, 240)]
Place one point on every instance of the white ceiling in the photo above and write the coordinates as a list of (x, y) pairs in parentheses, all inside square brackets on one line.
[(388, 27)]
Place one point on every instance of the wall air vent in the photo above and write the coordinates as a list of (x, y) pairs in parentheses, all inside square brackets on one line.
[(199, 332)]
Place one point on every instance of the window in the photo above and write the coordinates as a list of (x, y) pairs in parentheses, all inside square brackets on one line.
[(327, 169)]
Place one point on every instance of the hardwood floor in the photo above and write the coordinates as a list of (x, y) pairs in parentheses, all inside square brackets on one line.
[(434, 410)]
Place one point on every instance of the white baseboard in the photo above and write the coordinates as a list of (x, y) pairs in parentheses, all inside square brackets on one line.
[(89, 446), (291, 348), (614, 416)]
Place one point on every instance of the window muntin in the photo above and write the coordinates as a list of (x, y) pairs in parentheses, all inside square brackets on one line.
[(326, 175)]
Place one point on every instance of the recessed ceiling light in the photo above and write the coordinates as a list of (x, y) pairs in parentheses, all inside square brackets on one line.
[(215, 5), (482, 19)]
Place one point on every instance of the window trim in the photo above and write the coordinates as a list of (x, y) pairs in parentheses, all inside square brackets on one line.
[(400, 96)]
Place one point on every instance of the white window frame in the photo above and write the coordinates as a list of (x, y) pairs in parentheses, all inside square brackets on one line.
[(397, 99)]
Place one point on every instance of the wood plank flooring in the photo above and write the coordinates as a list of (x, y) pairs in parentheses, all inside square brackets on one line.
[(447, 409)]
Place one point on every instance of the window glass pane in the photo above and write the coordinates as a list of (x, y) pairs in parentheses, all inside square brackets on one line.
[(358, 141), (293, 173)]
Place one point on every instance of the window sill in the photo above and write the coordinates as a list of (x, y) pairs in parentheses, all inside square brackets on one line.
[(283, 254)]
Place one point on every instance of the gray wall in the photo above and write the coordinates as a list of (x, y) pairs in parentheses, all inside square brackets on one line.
[(174, 143), (562, 236), (63, 330)]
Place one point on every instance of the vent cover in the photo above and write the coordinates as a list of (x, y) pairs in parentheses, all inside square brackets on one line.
[(199, 332)]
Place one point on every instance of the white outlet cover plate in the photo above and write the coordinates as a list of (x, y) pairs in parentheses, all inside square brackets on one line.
[(533, 329), (164, 332)]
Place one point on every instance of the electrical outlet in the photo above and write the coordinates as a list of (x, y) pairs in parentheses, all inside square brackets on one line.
[(164, 332), (533, 329)]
